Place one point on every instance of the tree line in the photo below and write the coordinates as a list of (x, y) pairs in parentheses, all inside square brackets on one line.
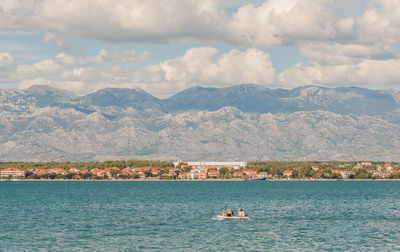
[(121, 164)]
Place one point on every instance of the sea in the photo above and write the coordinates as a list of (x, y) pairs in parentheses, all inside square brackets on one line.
[(178, 216)]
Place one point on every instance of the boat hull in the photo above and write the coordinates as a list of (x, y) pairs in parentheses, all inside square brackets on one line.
[(220, 217)]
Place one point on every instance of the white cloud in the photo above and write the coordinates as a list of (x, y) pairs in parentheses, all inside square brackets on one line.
[(338, 50), (198, 66), (328, 64), (271, 23), (6, 60), (204, 66), (260, 24), (7, 65), (367, 55), (201, 65), (58, 42), (79, 74), (279, 22), (336, 54), (380, 22), (357, 72), (115, 20), (124, 57)]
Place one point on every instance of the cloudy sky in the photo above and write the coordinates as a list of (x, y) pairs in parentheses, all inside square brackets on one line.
[(167, 46)]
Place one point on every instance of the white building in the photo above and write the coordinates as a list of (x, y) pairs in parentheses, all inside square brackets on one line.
[(5, 173), (198, 164), (194, 174), (366, 163)]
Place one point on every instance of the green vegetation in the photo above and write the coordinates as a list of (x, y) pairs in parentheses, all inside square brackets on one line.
[(302, 170), (88, 165), (223, 172), (140, 169)]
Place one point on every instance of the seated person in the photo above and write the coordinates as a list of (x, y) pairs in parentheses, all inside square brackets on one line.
[(223, 212), (241, 213), (229, 213)]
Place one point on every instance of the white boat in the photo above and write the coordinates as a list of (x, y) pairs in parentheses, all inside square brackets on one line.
[(220, 217)]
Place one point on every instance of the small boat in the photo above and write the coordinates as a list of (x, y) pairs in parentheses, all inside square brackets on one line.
[(220, 217), (260, 179), (255, 179)]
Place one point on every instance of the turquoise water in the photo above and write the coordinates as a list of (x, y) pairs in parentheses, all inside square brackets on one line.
[(177, 216)]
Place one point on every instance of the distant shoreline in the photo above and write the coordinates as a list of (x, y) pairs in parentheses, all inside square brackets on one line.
[(191, 180)]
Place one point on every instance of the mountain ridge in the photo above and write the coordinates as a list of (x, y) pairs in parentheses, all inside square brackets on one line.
[(248, 98), (245, 122)]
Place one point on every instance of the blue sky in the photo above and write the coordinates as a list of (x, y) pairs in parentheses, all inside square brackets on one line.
[(164, 47)]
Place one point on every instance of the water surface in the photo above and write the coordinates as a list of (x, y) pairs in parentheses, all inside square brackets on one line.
[(104, 216)]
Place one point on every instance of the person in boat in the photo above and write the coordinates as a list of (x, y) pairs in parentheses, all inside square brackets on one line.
[(223, 212), (230, 213), (241, 213)]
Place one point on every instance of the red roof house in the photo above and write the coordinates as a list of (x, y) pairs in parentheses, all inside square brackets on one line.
[(288, 173)]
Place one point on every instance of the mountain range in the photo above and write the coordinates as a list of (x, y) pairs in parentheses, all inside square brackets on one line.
[(245, 122)]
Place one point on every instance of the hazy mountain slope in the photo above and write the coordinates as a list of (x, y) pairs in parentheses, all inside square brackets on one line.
[(48, 96), (247, 98), (119, 97), (315, 124), (252, 98)]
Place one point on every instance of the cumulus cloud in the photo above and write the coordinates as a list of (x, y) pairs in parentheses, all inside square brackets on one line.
[(201, 65), (115, 20), (261, 25), (204, 66), (343, 64), (367, 56), (271, 23), (6, 60), (79, 74), (278, 22), (348, 71), (265, 24), (58, 42), (334, 54), (198, 66), (124, 57), (380, 22), (7, 65), (336, 50)]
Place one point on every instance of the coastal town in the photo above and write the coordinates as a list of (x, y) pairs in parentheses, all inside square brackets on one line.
[(271, 170)]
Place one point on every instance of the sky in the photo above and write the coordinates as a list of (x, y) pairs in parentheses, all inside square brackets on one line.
[(167, 46)]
